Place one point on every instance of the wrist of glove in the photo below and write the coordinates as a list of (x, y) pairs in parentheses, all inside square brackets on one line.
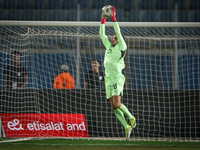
[(114, 18), (103, 20)]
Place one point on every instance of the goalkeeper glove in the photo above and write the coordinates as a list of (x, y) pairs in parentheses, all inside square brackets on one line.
[(103, 19), (114, 13)]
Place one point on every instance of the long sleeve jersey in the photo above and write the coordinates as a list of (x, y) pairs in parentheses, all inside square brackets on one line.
[(114, 56)]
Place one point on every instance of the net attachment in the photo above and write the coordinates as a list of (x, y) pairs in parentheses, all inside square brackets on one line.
[(161, 88)]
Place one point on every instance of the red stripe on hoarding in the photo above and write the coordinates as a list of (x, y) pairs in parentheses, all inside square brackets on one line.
[(45, 125)]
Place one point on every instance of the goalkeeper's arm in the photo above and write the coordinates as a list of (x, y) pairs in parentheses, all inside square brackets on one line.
[(103, 36), (116, 27)]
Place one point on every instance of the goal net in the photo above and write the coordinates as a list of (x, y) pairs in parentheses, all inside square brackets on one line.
[(161, 88)]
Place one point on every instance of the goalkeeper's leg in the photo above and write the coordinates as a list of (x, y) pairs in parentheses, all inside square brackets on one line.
[(124, 109), (121, 118), (115, 103)]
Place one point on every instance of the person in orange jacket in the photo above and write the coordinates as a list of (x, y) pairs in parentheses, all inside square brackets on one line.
[(64, 80)]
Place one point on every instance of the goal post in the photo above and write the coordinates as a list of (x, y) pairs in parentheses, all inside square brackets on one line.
[(161, 89), (96, 24)]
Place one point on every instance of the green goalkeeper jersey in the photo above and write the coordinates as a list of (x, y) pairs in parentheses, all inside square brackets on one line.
[(114, 56)]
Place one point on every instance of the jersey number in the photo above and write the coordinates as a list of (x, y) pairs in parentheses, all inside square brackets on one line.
[(115, 86)]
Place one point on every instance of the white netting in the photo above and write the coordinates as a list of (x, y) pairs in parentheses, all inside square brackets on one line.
[(161, 89)]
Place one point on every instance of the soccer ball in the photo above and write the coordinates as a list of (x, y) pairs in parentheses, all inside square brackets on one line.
[(106, 11)]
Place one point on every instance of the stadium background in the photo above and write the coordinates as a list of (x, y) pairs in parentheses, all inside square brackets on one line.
[(45, 100), (127, 11)]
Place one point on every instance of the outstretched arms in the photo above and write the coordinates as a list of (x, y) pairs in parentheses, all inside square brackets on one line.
[(103, 36), (116, 26)]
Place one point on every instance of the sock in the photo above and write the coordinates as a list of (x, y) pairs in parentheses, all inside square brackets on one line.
[(124, 109), (120, 117)]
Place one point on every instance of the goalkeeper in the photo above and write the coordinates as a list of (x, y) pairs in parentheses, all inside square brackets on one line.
[(114, 79)]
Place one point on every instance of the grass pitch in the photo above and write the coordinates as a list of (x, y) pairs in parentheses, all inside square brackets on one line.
[(63, 144)]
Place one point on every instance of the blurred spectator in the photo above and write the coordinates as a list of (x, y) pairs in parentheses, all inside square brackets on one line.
[(16, 75), (64, 80), (94, 78)]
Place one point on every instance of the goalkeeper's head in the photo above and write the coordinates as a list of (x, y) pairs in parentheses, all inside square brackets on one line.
[(65, 68), (115, 40)]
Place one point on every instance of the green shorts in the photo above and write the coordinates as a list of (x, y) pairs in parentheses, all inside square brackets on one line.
[(114, 88)]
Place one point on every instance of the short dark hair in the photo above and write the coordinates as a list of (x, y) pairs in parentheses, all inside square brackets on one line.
[(95, 59), (15, 52)]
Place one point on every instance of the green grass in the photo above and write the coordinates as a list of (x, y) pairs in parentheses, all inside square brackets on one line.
[(62, 144)]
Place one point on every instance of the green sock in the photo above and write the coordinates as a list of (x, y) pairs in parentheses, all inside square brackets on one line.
[(124, 109), (120, 117)]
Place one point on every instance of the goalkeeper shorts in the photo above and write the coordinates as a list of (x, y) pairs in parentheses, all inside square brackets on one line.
[(114, 88)]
